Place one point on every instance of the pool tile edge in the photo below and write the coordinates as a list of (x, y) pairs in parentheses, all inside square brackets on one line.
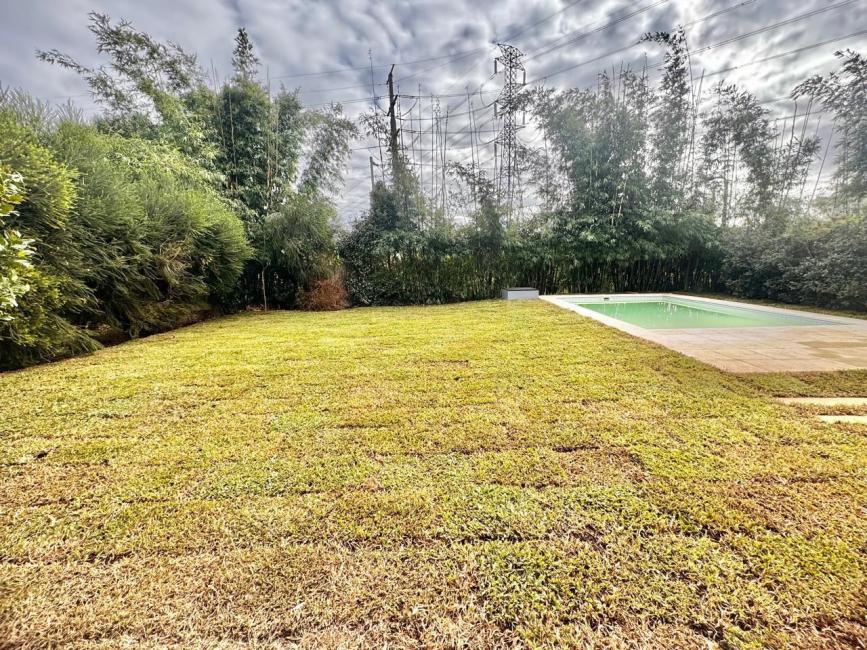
[(737, 355)]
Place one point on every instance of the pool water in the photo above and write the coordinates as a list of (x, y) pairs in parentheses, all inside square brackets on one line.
[(675, 313)]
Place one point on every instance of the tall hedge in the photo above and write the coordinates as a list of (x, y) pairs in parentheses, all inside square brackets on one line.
[(127, 235)]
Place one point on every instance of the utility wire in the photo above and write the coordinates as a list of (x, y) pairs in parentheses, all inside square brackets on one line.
[(513, 35), (782, 23), (707, 48), (727, 41), (789, 53), (380, 66), (595, 31)]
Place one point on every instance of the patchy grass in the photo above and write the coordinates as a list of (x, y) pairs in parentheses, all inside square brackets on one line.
[(842, 383), (479, 475)]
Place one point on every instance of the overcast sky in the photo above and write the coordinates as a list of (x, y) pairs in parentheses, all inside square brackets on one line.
[(445, 47)]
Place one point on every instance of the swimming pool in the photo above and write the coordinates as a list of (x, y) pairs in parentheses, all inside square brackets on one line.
[(730, 335), (667, 312)]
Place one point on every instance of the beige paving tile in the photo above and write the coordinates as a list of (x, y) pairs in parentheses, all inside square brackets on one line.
[(804, 364), (777, 356), (818, 365), (783, 354), (708, 357), (735, 366), (838, 346), (858, 360), (719, 362), (720, 353)]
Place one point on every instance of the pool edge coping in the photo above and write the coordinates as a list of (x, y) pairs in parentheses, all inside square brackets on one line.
[(668, 338), (561, 300)]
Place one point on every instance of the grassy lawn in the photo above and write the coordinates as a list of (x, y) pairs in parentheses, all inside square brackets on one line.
[(477, 475)]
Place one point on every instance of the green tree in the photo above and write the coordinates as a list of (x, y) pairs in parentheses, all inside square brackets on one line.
[(244, 61), (746, 176), (118, 227), (672, 123), (329, 135), (244, 141), (844, 93), (298, 246), (143, 85), (127, 233), (244, 120)]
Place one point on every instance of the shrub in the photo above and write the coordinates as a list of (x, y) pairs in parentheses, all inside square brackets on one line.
[(15, 251), (36, 328), (811, 261), (328, 294), (126, 235), (297, 247)]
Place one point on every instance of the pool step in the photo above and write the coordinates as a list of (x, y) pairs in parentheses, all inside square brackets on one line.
[(832, 403), (842, 402), (844, 419)]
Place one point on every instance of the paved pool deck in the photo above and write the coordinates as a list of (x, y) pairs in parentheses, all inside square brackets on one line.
[(839, 345)]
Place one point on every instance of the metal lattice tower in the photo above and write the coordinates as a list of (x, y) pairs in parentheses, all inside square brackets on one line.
[(507, 139)]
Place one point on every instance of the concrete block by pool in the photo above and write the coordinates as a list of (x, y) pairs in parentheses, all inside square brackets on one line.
[(730, 335), (520, 293)]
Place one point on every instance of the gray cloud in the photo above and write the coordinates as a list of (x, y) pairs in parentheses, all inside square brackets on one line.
[(315, 36)]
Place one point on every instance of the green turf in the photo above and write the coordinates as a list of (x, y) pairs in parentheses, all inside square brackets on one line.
[(844, 383), (479, 475)]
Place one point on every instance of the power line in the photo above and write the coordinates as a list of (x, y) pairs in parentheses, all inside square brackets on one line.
[(597, 30), (768, 101), (583, 63), (455, 134), (754, 62), (790, 52), (476, 128), (328, 90), (510, 37), (442, 95), (782, 23), (352, 100), (721, 12), (465, 99), (379, 66), (727, 41), (601, 28)]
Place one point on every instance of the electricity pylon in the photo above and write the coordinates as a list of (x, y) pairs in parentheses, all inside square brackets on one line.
[(507, 139)]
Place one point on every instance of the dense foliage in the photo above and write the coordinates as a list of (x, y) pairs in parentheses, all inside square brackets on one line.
[(251, 142), (614, 215), (15, 251), (122, 236), (802, 248), (639, 191), (179, 200), (188, 196)]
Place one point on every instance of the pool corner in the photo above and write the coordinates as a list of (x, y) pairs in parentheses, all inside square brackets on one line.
[(832, 343)]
